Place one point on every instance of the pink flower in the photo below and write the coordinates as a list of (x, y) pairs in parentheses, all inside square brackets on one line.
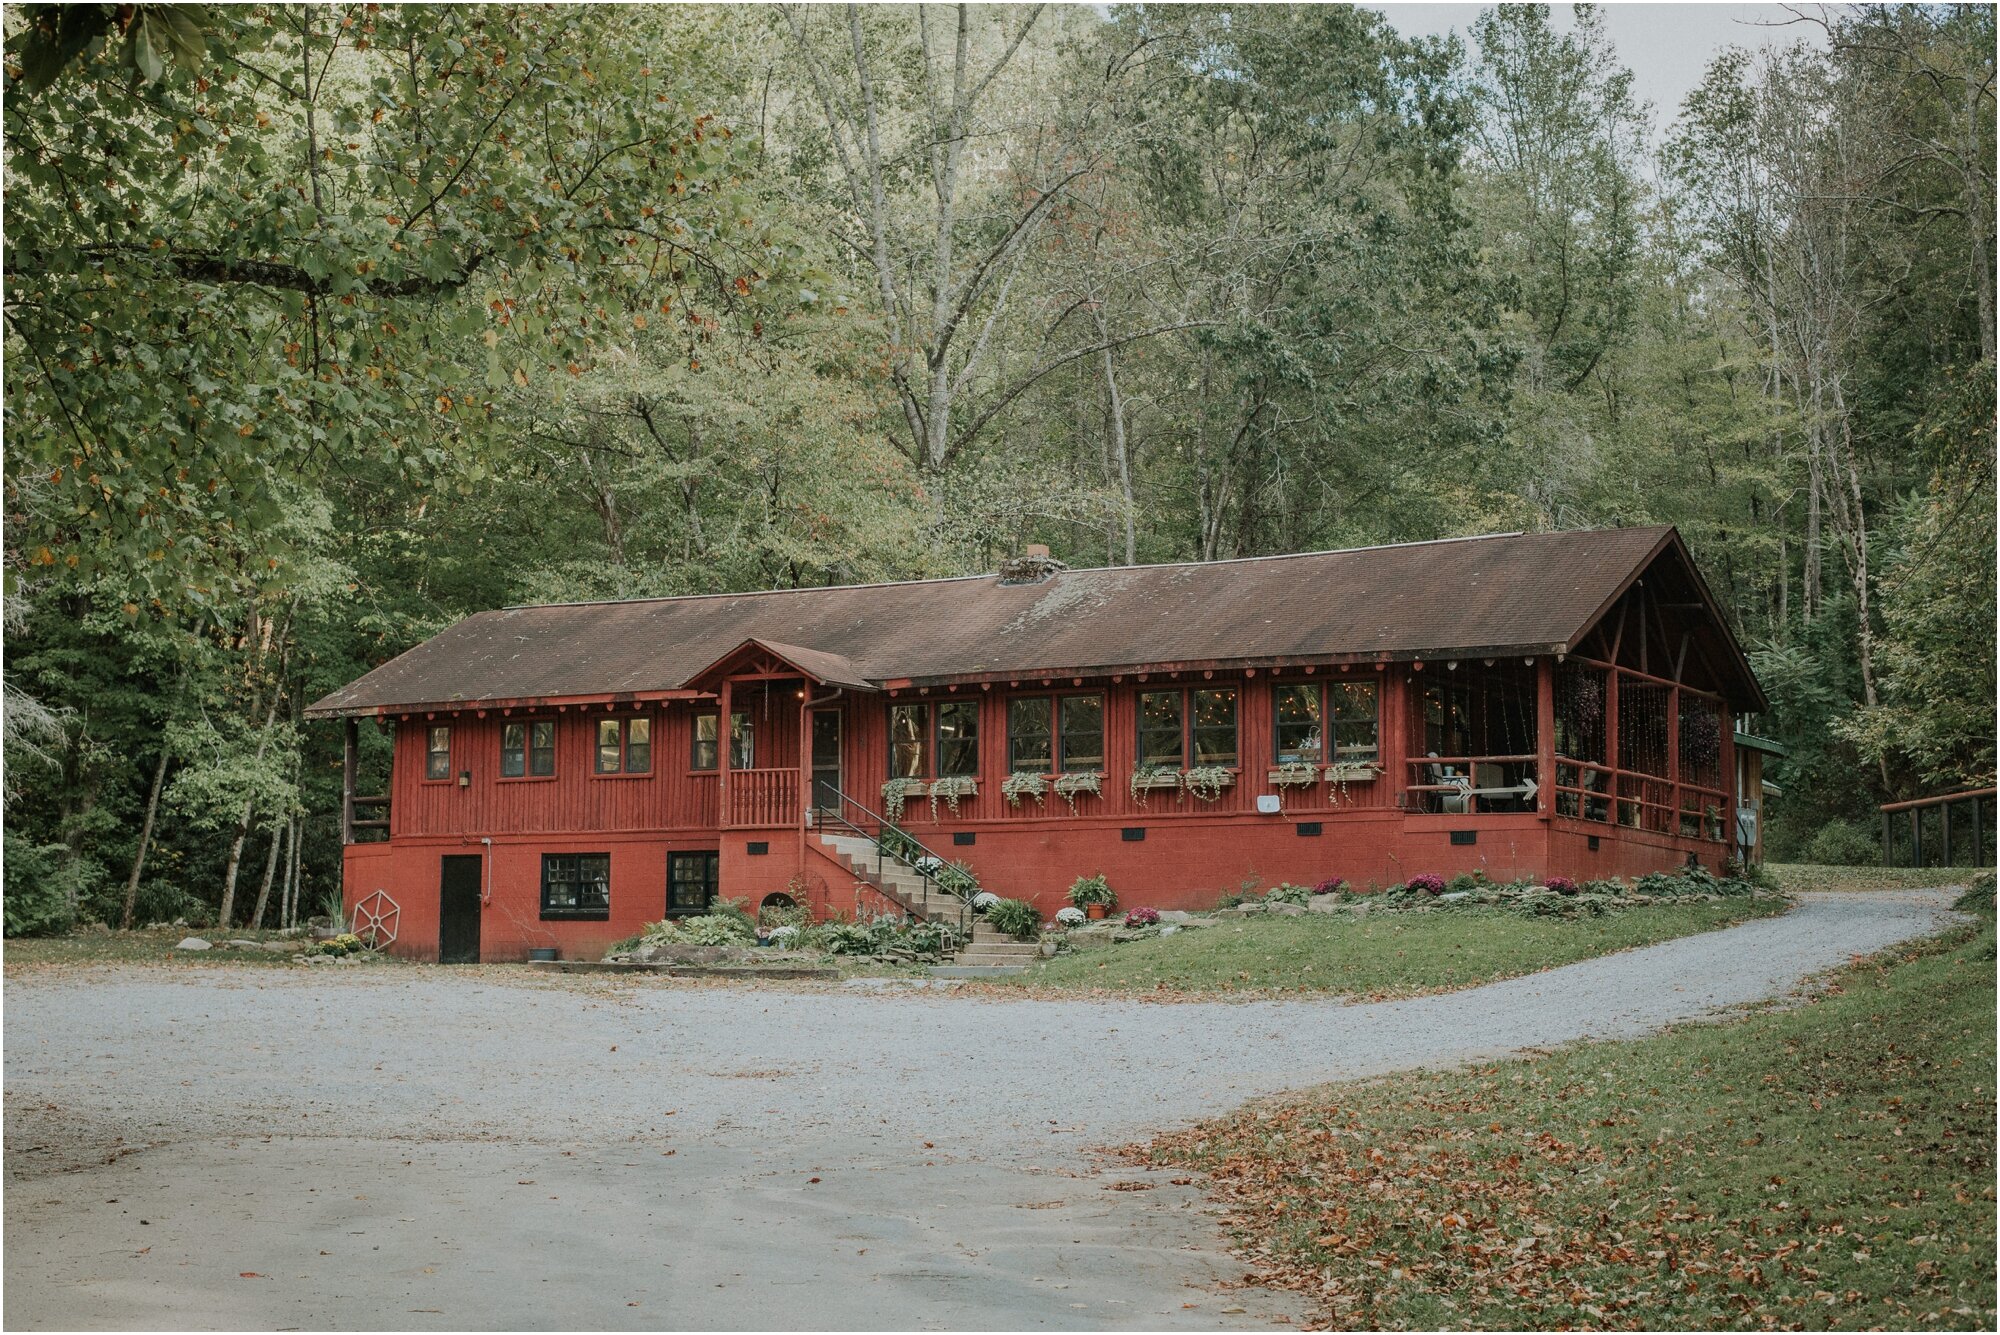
[(1142, 917), (1428, 882)]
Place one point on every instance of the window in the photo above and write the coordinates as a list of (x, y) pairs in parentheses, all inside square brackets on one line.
[(908, 726), (915, 752), (742, 740), (624, 746), (528, 749), (1082, 736), (1176, 724), (437, 753), (1031, 734), (1213, 733), (576, 885), (702, 755), (1161, 741), (1356, 737), (1295, 715), (691, 879), (958, 738)]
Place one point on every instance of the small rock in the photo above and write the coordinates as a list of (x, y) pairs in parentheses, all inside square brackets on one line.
[(348, 959), (319, 959), (1324, 904), (1049, 949), (1170, 929), (243, 943), (1285, 910), (278, 947), (193, 943)]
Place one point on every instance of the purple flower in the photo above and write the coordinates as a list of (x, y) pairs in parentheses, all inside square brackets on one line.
[(1142, 917), (1428, 882), (1332, 885), (1562, 885)]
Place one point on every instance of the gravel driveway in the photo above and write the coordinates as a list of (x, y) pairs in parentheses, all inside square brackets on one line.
[(418, 1149)]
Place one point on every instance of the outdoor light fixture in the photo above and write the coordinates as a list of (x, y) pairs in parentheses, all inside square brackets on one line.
[(465, 778)]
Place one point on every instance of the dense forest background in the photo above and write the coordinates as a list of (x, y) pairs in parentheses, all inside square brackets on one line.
[(328, 325)]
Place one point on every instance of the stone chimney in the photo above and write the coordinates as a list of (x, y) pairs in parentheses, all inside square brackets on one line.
[(1032, 566)]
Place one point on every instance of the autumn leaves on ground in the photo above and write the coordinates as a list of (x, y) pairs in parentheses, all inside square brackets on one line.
[(1828, 1165)]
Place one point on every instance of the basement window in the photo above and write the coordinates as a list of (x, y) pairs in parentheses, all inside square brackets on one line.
[(576, 886)]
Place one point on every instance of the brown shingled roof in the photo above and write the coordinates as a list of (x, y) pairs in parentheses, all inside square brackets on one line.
[(1525, 593)]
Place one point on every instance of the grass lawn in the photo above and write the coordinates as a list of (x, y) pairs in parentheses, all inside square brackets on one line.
[(142, 946), (1796, 876), (1381, 955), (1828, 1166)]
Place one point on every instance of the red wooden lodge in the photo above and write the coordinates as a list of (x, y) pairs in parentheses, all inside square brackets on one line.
[(1520, 704)]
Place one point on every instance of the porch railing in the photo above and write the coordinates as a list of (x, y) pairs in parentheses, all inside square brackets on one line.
[(1586, 790), (1938, 827), (1468, 785), (891, 845), (764, 797)]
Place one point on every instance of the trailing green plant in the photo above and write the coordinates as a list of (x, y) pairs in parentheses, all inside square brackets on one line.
[(896, 795), (1146, 778), (1015, 917), (1088, 890), (1025, 783), (953, 789), (1207, 782), (1295, 774), (1069, 787)]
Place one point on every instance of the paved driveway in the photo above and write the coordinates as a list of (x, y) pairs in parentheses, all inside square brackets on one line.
[(419, 1149)]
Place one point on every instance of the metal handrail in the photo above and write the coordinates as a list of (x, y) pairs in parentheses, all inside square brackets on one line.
[(884, 827)]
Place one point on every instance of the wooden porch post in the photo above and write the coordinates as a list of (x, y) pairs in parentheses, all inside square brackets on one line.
[(1612, 808), (1944, 815), (725, 743), (1674, 760), (1545, 737), (350, 738)]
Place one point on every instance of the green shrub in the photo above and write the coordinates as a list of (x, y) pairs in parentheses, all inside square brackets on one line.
[(1287, 893), (347, 943), (1466, 882), (39, 884), (1978, 897), (1842, 843), (1088, 890), (1016, 917)]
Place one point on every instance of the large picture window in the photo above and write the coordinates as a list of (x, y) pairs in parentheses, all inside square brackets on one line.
[(1300, 728), (1175, 726), (624, 746), (940, 741), (528, 750), (437, 753), (576, 885), (1064, 733)]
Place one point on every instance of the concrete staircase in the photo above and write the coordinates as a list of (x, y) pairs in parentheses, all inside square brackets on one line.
[(989, 951)]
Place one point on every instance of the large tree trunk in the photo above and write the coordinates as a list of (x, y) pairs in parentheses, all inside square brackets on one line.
[(227, 908), (1121, 462), (145, 841), (270, 872)]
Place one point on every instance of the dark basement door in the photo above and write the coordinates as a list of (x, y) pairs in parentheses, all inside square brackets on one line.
[(458, 909)]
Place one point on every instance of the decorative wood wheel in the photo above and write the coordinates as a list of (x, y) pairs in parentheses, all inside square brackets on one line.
[(375, 920)]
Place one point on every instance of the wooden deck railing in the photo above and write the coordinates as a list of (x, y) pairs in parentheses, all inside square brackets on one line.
[(764, 797)]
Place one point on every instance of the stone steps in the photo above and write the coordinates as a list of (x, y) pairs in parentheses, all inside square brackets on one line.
[(989, 951)]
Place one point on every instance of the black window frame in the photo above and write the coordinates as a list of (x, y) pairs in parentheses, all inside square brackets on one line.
[(1189, 728), (623, 765), (709, 746), (1340, 719), (1315, 692), (555, 873), (711, 860), (534, 758), (1060, 730), (929, 740), (437, 761)]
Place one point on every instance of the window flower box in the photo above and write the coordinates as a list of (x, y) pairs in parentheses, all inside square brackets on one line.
[(1302, 774), (1159, 779), (1353, 771)]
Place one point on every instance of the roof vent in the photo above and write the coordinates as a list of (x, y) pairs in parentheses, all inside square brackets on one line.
[(1032, 566)]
